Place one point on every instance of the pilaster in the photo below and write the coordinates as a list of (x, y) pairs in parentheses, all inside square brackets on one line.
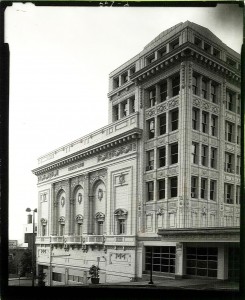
[(86, 205)]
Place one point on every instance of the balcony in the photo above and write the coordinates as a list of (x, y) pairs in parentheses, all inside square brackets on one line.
[(72, 240), (56, 240), (94, 240), (120, 240), (43, 240)]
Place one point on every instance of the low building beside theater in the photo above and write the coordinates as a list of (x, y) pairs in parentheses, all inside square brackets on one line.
[(161, 179)]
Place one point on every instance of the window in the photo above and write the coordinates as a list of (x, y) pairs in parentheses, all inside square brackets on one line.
[(124, 108), (132, 70), (237, 194), (204, 88), (230, 97), (207, 47), (213, 92), (173, 45), (239, 104), (231, 62), (216, 53), (213, 158), (204, 160), (100, 227), (163, 91), (162, 51), (150, 160), (214, 123), (120, 220), (229, 159), (173, 187), (116, 82), (195, 119), (204, 122), (150, 190), (115, 112), (238, 137), (174, 119), (213, 185), (152, 97), (162, 124), (121, 226), (228, 193), (150, 59), (44, 230), (124, 77), (132, 105), (194, 153), (161, 189), (175, 85), (162, 157), (238, 165), (229, 131), (151, 124), (56, 276), (203, 188), (174, 153), (194, 84), (194, 187), (197, 42)]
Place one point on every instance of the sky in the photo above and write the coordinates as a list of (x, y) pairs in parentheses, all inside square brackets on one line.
[(60, 60)]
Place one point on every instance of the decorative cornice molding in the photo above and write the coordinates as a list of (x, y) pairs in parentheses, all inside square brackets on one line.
[(117, 152)]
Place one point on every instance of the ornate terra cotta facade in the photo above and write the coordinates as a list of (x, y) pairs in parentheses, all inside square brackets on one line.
[(162, 177)]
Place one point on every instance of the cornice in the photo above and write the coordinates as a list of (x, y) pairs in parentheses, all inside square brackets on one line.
[(121, 139), (184, 52)]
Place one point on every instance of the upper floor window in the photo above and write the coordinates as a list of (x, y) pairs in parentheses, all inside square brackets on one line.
[(132, 104), (229, 193), (231, 62), (174, 115), (173, 186), (216, 53), (238, 138), (162, 51), (213, 92), (230, 100), (213, 158), (100, 219), (238, 103), (194, 187), (194, 84), (229, 162), (162, 157), (150, 190), (150, 160), (116, 82), (213, 186), (116, 112), (120, 218), (162, 124), (175, 85), (197, 41), (194, 153), (204, 122), (204, 155), (163, 91), (174, 44), (195, 118), (207, 47), (237, 194), (161, 189), (124, 107), (174, 153), (238, 165), (125, 77), (132, 70), (152, 97), (214, 125), (203, 188), (150, 59), (229, 131), (151, 124), (204, 88)]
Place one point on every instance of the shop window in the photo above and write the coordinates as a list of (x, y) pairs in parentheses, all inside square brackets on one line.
[(194, 187), (56, 276), (161, 189)]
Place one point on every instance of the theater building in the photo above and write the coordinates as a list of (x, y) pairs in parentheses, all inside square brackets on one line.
[(159, 186)]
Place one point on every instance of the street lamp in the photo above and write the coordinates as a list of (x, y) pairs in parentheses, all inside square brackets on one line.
[(33, 241)]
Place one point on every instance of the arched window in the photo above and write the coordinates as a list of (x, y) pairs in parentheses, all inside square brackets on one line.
[(61, 226), (79, 224), (100, 219), (120, 220), (43, 227)]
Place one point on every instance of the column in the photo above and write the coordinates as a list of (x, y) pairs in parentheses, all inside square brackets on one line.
[(222, 263), (67, 208), (91, 221), (86, 205), (179, 261), (51, 211), (71, 223)]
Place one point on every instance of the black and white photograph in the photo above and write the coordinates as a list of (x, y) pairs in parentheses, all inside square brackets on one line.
[(125, 146)]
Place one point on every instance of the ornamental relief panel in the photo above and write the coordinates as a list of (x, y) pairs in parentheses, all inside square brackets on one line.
[(162, 107), (229, 147), (149, 177), (120, 259), (79, 180), (173, 137), (48, 175), (98, 175), (230, 117), (63, 185), (150, 113), (149, 145), (214, 142), (117, 152), (195, 136), (173, 171), (162, 141), (213, 174), (205, 139), (194, 170), (229, 178), (205, 105), (161, 174)]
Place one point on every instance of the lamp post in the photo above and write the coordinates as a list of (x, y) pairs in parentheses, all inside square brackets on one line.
[(33, 242)]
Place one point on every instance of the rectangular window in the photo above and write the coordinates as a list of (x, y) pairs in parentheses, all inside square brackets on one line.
[(213, 185), (152, 97), (121, 226), (150, 59), (132, 102), (151, 128), (174, 119), (162, 157), (116, 82), (213, 92), (229, 162), (162, 124), (124, 77), (174, 153), (56, 276), (150, 190), (204, 160), (203, 188), (239, 104), (229, 193), (175, 85), (207, 47), (204, 122), (238, 165), (163, 91), (230, 99), (194, 84), (173, 187), (197, 41), (161, 189), (231, 62), (124, 107), (150, 160), (194, 153), (194, 187), (195, 118), (229, 131), (162, 51), (214, 124), (204, 88), (116, 112), (174, 44), (213, 158), (216, 53), (237, 194)]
